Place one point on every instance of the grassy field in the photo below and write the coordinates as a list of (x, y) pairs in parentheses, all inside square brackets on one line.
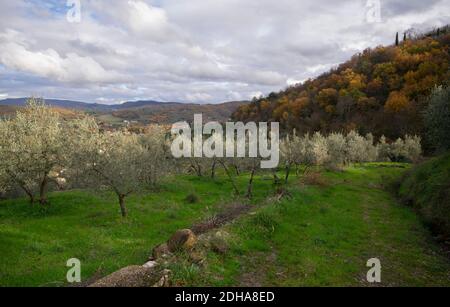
[(323, 235), (35, 244)]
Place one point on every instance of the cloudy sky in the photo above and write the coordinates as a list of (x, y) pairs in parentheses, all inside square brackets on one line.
[(203, 51)]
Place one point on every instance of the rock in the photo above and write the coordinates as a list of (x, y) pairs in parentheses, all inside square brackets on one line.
[(160, 251), (203, 241), (218, 244), (197, 256), (222, 234), (164, 280), (131, 276), (183, 239), (150, 264)]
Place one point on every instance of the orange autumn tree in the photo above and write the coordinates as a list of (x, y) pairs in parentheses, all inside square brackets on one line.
[(397, 102)]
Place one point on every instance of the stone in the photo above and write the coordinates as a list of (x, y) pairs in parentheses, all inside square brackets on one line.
[(222, 234), (150, 264), (218, 244), (130, 276), (160, 251), (197, 256), (164, 281), (183, 239)]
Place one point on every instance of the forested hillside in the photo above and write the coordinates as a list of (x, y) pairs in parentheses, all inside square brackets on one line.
[(380, 90)]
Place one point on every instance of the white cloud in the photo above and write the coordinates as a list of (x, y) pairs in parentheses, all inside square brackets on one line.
[(196, 50), (291, 81), (198, 97), (48, 63)]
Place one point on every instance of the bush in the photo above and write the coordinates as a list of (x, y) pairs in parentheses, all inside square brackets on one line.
[(427, 189), (265, 221), (192, 198), (314, 178)]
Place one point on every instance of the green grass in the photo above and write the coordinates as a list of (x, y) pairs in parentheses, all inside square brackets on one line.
[(35, 244), (322, 236)]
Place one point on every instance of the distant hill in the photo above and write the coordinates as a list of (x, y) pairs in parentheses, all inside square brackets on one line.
[(78, 105), (7, 111), (141, 104), (67, 104), (167, 113), (142, 112), (381, 90)]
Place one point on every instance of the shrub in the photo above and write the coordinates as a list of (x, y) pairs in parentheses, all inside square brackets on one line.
[(427, 189), (265, 221), (314, 178), (192, 198)]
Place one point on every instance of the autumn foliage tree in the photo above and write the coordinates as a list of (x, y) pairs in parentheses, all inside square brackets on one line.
[(381, 90)]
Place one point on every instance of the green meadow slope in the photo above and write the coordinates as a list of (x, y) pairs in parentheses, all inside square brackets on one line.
[(322, 235), (427, 189)]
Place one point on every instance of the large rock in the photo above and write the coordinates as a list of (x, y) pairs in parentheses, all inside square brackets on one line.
[(183, 239), (131, 276)]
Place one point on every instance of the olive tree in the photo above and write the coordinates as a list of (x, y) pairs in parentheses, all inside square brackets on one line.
[(156, 158), (356, 147), (408, 149), (371, 148), (383, 150), (318, 149), (288, 154), (114, 160), (413, 147), (296, 151), (336, 150), (34, 145)]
